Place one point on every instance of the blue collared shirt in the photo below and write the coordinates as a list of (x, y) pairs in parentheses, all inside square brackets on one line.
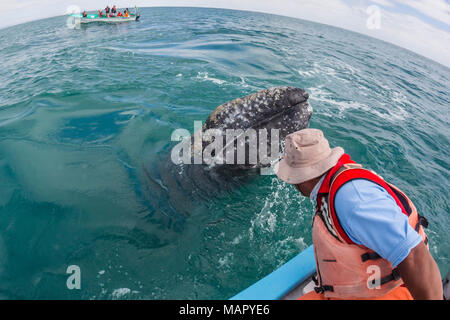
[(371, 217)]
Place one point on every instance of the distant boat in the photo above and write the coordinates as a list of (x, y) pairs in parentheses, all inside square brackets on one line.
[(96, 18)]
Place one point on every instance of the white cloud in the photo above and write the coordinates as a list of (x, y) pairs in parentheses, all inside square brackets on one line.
[(401, 29), (414, 34), (385, 3), (436, 9)]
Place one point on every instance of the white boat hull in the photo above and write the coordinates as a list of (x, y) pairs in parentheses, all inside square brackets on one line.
[(94, 18)]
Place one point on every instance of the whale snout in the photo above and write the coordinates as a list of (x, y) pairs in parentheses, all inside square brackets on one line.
[(296, 95), (290, 112)]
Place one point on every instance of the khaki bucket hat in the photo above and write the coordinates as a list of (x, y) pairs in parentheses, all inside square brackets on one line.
[(307, 156)]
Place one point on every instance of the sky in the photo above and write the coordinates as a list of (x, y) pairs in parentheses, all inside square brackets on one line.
[(422, 26)]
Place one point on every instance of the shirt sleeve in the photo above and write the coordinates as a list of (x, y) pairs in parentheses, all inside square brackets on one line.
[(371, 217)]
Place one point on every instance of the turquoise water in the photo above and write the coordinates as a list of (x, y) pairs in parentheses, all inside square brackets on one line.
[(84, 111)]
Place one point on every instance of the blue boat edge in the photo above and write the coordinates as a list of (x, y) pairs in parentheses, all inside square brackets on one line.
[(283, 280)]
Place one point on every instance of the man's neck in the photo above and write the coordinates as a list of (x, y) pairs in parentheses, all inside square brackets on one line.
[(317, 182)]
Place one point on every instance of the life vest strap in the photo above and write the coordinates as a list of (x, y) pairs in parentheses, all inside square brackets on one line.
[(345, 167), (394, 276), (422, 221), (370, 256), (314, 279), (322, 289)]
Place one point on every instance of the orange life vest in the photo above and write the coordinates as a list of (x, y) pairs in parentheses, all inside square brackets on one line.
[(346, 270)]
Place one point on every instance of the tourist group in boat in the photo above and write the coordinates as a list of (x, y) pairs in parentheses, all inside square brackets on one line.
[(111, 13)]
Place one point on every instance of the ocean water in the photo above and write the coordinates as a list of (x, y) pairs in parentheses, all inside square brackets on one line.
[(84, 111)]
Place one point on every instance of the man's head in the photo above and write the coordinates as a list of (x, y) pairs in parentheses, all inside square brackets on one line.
[(308, 156)]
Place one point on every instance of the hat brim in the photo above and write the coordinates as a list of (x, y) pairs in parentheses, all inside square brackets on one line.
[(293, 175)]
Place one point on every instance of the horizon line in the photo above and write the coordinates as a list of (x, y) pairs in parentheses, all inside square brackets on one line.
[(246, 10)]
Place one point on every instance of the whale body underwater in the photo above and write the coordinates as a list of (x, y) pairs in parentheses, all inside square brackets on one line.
[(175, 188)]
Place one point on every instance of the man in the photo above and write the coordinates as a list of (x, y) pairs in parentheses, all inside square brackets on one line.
[(368, 237)]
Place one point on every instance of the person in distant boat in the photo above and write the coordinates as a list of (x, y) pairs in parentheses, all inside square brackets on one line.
[(120, 14), (125, 13), (100, 13), (368, 237), (107, 10), (84, 14), (114, 10)]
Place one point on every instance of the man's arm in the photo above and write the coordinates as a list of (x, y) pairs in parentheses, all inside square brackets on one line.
[(370, 216), (421, 275)]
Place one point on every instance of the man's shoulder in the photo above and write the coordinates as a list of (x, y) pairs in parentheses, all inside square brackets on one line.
[(360, 189), (362, 195)]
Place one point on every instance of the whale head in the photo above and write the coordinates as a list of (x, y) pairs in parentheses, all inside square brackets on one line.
[(173, 188), (271, 113)]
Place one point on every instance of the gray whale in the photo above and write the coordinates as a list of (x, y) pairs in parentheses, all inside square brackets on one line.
[(177, 188)]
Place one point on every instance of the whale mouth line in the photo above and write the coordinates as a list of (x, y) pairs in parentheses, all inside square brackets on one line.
[(260, 125), (284, 110)]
